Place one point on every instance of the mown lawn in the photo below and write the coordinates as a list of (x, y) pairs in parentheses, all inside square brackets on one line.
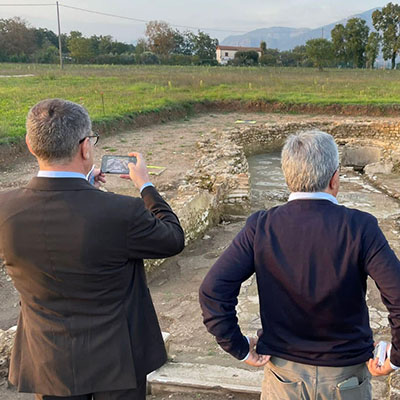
[(134, 89)]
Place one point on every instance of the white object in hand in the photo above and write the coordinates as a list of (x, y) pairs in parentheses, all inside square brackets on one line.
[(380, 352)]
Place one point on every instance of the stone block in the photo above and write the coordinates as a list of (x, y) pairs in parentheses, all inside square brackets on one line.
[(360, 156), (378, 168)]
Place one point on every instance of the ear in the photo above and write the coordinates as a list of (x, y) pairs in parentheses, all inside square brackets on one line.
[(29, 145), (334, 182), (84, 149)]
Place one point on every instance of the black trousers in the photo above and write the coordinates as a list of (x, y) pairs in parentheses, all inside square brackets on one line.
[(129, 394)]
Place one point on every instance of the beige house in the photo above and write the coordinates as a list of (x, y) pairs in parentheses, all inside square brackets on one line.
[(226, 53)]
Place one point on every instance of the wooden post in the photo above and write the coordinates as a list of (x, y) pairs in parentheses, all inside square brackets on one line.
[(59, 36)]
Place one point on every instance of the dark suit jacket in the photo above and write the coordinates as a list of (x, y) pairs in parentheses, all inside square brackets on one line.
[(311, 259), (75, 254)]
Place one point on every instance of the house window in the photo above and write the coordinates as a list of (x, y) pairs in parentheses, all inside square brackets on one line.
[(226, 54)]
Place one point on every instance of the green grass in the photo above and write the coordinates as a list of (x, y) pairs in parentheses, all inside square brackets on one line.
[(129, 90)]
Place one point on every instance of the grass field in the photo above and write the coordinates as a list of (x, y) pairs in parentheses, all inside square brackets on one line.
[(134, 89)]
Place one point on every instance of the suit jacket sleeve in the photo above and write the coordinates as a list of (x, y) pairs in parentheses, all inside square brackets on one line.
[(154, 230), (220, 289), (383, 266)]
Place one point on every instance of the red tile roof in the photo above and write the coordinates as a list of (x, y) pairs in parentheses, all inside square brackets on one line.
[(238, 48)]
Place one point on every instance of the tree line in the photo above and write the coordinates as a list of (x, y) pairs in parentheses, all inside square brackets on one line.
[(351, 46), (21, 43)]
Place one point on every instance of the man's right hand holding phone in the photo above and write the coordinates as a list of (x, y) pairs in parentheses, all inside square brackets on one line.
[(138, 173)]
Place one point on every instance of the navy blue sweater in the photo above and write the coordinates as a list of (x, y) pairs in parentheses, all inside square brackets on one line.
[(311, 259)]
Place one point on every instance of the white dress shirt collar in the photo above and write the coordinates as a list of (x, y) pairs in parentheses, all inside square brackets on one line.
[(60, 174), (312, 196)]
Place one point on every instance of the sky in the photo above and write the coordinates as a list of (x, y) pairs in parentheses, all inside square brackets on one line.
[(219, 18)]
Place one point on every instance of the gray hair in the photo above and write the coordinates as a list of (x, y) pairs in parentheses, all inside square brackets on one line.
[(54, 128), (309, 160)]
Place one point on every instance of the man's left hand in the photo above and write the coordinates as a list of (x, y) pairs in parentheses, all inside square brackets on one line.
[(255, 359), (377, 370)]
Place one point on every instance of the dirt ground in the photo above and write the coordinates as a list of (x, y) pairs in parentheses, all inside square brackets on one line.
[(173, 146)]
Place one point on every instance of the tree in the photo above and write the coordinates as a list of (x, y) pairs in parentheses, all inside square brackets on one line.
[(183, 43), (349, 43), (17, 40), (339, 44), (94, 42), (372, 49), (263, 47), (270, 57), (356, 35), (320, 52), (106, 44), (45, 38), (64, 43), (121, 48), (246, 58), (387, 22), (205, 48), (300, 55), (287, 59), (80, 48), (161, 38), (47, 55), (141, 47)]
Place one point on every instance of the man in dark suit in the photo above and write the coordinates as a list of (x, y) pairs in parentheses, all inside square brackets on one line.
[(87, 326), (311, 258)]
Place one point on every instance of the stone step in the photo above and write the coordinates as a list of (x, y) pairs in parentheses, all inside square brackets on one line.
[(204, 378)]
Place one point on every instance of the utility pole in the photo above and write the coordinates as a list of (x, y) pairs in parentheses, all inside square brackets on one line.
[(59, 36), (322, 33)]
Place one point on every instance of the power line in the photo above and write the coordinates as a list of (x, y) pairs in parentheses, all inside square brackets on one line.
[(120, 16), (27, 5), (102, 13), (146, 21)]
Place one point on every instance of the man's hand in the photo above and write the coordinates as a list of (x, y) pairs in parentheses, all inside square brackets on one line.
[(138, 173), (376, 370), (99, 177), (255, 359)]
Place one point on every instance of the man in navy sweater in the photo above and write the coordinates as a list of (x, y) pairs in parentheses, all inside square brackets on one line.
[(311, 257)]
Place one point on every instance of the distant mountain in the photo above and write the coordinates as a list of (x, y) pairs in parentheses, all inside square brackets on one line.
[(287, 38)]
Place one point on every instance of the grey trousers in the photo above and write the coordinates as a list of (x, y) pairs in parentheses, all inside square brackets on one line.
[(287, 380)]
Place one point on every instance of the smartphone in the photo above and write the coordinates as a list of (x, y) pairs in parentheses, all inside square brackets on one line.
[(380, 352), (349, 383), (116, 164)]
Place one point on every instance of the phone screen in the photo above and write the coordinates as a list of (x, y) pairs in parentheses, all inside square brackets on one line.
[(116, 164)]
